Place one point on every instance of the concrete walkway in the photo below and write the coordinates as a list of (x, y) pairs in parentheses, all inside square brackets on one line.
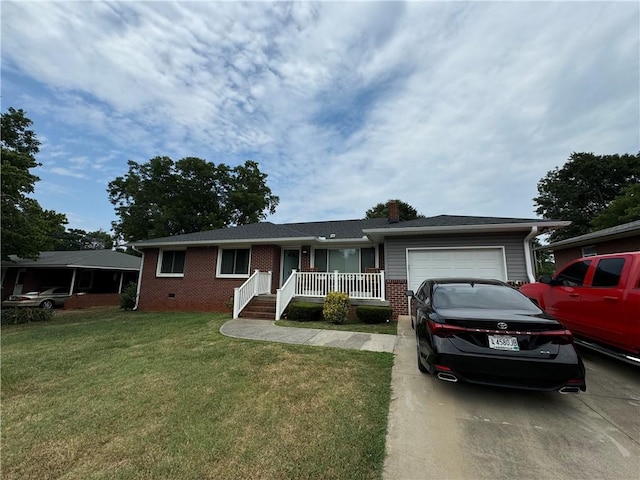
[(265, 330)]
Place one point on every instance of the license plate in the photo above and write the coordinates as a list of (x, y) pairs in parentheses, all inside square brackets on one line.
[(504, 342)]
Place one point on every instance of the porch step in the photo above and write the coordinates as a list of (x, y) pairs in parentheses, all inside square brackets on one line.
[(262, 307)]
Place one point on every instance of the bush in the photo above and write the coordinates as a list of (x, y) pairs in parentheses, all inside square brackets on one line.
[(305, 312), (336, 307), (128, 296), (13, 316), (370, 314)]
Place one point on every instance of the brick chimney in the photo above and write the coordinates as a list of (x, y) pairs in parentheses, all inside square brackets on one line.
[(394, 211)]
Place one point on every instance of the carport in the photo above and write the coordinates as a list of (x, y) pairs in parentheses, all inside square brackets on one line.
[(83, 271)]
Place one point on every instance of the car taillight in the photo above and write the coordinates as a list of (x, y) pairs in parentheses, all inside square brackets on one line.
[(442, 368), (443, 330), (562, 337)]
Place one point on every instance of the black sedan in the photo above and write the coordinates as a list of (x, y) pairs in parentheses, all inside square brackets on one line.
[(486, 332)]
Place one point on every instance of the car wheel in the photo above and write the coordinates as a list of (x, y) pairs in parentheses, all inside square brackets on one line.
[(421, 367), (47, 304)]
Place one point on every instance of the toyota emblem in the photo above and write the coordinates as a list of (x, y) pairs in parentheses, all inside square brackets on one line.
[(502, 326)]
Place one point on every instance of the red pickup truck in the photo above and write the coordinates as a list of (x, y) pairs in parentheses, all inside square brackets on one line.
[(598, 299)]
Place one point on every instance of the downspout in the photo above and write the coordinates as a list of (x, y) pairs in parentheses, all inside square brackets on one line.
[(135, 308), (528, 256)]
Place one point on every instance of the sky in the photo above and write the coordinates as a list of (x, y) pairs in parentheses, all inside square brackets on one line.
[(453, 107)]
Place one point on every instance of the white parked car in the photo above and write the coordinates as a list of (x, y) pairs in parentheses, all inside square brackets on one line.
[(47, 299)]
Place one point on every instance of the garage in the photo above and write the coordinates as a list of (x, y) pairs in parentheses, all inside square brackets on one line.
[(475, 262)]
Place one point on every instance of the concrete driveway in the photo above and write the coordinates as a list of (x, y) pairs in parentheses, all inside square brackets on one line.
[(440, 430)]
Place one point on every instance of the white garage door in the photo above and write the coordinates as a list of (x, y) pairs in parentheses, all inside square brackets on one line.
[(455, 262)]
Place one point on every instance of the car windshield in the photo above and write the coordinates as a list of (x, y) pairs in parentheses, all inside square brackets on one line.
[(479, 295)]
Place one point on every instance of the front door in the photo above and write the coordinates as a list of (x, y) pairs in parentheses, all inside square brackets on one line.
[(290, 261)]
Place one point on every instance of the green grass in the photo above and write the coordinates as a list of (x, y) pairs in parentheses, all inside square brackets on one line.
[(109, 394), (390, 328)]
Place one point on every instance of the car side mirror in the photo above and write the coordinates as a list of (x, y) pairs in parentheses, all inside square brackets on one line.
[(546, 279), (409, 293)]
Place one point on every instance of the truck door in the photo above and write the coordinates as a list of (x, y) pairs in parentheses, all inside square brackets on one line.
[(563, 299), (603, 302)]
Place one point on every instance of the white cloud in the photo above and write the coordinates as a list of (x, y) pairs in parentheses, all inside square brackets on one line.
[(66, 172), (454, 107)]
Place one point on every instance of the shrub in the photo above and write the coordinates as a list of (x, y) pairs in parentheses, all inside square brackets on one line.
[(128, 296), (13, 316), (336, 307), (371, 314), (305, 312)]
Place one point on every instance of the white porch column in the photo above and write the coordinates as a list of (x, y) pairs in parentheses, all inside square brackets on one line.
[(73, 281)]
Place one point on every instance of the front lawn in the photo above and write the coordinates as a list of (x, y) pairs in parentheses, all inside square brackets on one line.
[(128, 395)]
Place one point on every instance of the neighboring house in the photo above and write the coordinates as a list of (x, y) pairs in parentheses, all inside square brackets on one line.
[(99, 275), (621, 238), (374, 260)]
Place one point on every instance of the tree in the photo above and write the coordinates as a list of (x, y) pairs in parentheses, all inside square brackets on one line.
[(162, 197), (27, 229), (583, 188), (381, 210), (545, 264), (625, 208), (76, 239)]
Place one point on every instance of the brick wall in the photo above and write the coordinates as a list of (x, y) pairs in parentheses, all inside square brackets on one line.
[(92, 300), (396, 295), (266, 258), (199, 289), (566, 255)]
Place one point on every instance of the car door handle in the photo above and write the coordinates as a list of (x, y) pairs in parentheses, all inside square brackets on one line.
[(575, 295), (610, 298)]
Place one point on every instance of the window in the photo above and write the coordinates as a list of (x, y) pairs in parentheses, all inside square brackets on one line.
[(172, 263), (608, 272), (423, 292), (573, 275), (345, 260), (234, 262), (367, 258), (589, 251)]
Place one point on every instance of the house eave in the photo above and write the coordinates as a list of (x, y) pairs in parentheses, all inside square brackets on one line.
[(377, 234), (261, 241), (239, 241), (564, 244), (58, 266)]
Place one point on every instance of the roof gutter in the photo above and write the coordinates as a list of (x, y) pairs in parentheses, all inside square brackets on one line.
[(528, 255), (490, 227), (204, 243)]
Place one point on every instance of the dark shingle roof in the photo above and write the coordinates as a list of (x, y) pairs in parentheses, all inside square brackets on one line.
[(102, 259), (334, 230), (457, 220)]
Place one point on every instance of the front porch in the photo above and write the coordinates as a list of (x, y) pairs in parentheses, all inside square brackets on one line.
[(362, 288)]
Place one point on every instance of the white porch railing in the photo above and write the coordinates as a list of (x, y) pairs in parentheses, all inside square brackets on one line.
[(285, 294), (316, 284), (257, 284)]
